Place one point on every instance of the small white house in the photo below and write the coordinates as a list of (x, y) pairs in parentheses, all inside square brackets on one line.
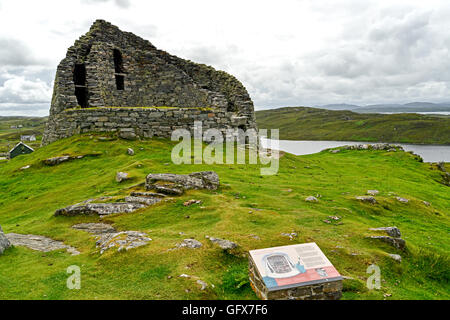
[(28, 138)]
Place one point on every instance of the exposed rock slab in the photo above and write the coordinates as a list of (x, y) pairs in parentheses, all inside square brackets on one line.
[(395, 242), (368, 199), (101, 209), (377, 146), (147, 194), (143, 200), (57, 160), (4, 242), (224, 244), (189, 243), (39, 243), (124, 240), (168, 190), (95, 228), (197, 180), (402, 200), (391, 231)]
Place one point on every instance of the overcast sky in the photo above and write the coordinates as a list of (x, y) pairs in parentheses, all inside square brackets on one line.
[(287, 53)]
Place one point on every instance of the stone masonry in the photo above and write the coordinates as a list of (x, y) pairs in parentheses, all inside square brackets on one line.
[(115, 81)]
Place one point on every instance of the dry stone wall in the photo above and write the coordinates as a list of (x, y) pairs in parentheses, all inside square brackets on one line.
[(108, 69)]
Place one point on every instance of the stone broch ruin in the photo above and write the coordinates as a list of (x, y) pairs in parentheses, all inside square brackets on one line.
[(115, 81)]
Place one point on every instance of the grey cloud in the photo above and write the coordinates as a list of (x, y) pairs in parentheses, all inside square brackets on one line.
[(38, 109), (215, 56), (15, 53)]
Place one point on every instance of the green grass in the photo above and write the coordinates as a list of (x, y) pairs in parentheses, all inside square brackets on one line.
[(10, 137), (28, 199), (302, 123)]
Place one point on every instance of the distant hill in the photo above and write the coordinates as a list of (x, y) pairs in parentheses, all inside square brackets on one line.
[(407, 107), (302, 123)]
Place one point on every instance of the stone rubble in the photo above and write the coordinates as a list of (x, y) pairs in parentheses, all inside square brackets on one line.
[(39, 243)]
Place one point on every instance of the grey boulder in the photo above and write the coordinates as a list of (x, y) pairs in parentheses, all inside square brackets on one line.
[(197, 180), (391, 231), (4, 242)]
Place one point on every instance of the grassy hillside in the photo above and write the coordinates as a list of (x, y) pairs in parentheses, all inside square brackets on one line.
[(30, 125), (246, 205), (302, 123)]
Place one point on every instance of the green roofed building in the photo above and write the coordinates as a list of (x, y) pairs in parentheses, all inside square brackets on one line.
[(20, 148)]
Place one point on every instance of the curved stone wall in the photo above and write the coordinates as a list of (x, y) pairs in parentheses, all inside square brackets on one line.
[(108, 68)]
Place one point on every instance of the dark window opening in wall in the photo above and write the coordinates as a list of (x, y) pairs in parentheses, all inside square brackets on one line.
[(79, 75), (79, 79), (120, 82), (119, 70), (231, 106)]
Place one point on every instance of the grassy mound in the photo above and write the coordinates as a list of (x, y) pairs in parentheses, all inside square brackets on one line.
[(246, 205)]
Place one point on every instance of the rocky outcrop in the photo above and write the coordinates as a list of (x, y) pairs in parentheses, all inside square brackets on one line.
[(148, 201), (189, 243), (124, 240), (224, 244), (372, 192), (39, 243), (57, 160), (391, 231), (395, 242), (402, 200), (311, 199), (4, 242), (393, 239), (377, 146), (168, 183), (95, 228), (101, 209), (368, 199)]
